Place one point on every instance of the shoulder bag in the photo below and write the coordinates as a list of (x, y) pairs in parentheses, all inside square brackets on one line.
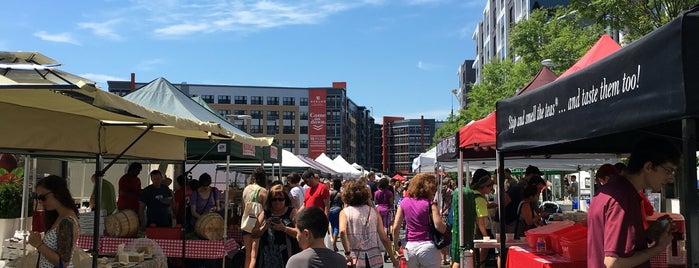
[(440, 240)]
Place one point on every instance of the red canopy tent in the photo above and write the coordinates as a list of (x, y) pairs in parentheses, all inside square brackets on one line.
[(604, 47), (398, 177), (479, 135)]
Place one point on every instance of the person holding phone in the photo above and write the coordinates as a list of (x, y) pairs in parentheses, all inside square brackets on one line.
[(277, 232)]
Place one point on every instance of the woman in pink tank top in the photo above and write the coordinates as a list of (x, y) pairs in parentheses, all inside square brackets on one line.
[(415, 210)]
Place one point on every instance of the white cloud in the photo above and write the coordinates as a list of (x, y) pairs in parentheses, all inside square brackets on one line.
[(148, 65), (427, 66), (59, 38), (101, 79), (103, 29), (176, 19), (182, 29), (466, 32)]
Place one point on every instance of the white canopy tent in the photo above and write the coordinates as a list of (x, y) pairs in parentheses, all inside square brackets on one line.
[(426, 162), (329, 163), (342, 163)]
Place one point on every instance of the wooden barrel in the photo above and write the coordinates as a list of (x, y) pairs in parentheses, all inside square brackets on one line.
[(122, 224), (209, 226)]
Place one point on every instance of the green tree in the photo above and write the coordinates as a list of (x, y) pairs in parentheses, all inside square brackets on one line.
[(635, 18), (499, 80), (559, 34)]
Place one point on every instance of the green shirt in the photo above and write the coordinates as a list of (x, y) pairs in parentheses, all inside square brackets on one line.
[(107, 197)]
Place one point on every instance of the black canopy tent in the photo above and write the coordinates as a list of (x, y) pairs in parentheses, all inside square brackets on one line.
[(648, 88)]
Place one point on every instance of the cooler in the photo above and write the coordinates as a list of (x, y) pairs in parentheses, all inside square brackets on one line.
[(546, 231), (574, 232)]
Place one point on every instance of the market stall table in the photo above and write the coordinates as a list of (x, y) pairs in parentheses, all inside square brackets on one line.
[(492, 243), (155, 262), (195, 249), (523, 257)]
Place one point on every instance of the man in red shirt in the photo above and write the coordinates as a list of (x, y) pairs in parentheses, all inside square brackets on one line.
[(130, 188), (616, 237), (317, 195)]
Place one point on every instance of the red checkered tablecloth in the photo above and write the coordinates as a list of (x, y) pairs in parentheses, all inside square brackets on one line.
[(194, 249)]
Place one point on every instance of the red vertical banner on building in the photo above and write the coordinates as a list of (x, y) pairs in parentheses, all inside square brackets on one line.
[(316, 122)]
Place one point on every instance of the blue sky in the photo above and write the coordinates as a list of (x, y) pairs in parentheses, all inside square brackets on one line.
[(399, 58)]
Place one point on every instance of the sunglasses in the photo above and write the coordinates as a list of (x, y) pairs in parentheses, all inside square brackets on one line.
[(277, 199), (42, 197)]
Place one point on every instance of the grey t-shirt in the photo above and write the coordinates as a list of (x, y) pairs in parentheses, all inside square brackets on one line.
[(316, 258)]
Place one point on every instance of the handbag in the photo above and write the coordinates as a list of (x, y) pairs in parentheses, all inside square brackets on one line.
[(249, 219), (440, 240)]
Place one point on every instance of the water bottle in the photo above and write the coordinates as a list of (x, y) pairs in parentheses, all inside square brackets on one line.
[(540, 244)]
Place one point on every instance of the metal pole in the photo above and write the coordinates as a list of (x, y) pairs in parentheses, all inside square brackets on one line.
[(501, 205), (98, 193), (688, 190), (460, 186), (225, 208)]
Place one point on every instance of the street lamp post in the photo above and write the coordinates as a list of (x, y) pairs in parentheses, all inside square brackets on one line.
[(455, 93)]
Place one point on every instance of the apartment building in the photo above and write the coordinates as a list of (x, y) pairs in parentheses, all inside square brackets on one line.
[(403, 140), (491, 35), (305, 121)]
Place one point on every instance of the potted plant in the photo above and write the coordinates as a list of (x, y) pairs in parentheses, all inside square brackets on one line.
[(10, 195), (10, 187)]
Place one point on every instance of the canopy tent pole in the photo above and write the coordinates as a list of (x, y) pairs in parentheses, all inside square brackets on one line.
[(501, 204), (460, 185), (25, 193), (99, 173), (98, 193), (225, 208), (688, 190)]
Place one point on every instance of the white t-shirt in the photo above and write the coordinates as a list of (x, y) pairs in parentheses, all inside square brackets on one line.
[(297, 192)]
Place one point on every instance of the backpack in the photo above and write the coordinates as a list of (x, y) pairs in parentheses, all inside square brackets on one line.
[(468, 218)]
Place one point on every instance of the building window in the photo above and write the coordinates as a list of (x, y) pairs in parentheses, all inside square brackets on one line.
[(224, 99), (289, 130), (289, 101), (256, 114), (303, 143), (272, 100), (240, 112), (224, 112), (303, 115), (289, 115), (208, 98), (272, 129), (272, 115), (288, 144), (303, 101), (256, 100), (241, 100), (256, 129), (303, 130)]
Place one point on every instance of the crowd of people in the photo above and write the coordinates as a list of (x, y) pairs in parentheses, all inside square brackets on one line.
[(300, 223)]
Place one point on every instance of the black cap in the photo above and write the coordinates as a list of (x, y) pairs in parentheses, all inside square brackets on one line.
[(533, 170)]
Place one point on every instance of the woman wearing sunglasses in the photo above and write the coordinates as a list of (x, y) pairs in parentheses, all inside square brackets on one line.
[(56, 246), (277, 233)]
